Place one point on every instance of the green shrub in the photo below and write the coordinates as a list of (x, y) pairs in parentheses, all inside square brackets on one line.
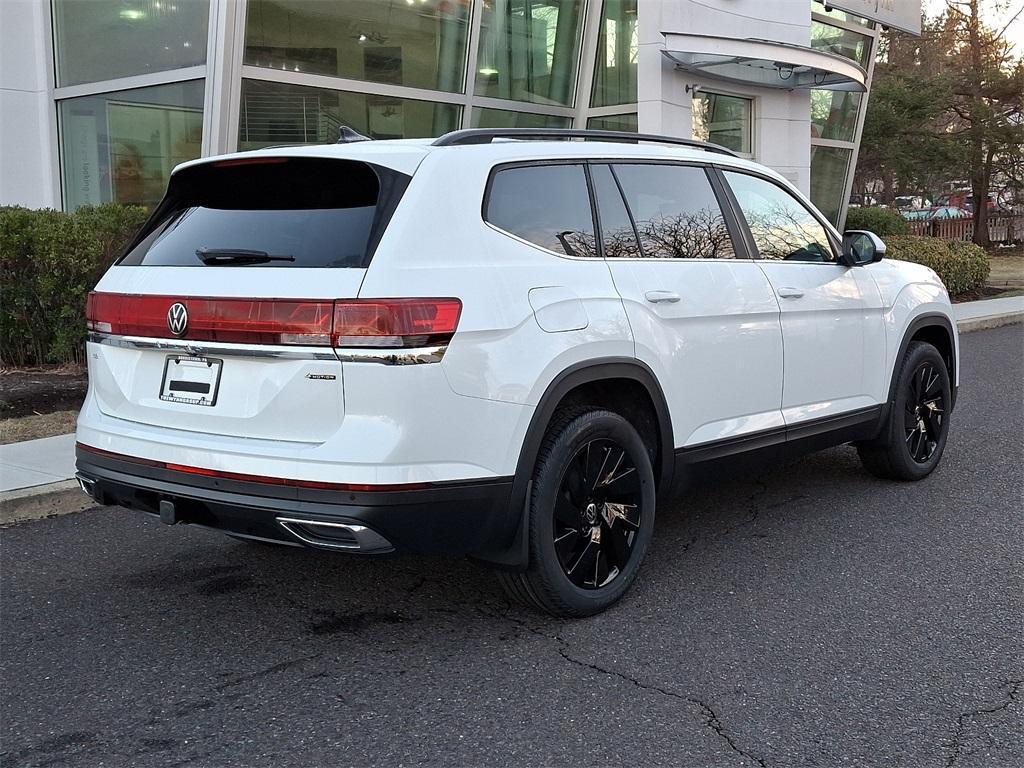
[(882, 221), (961, 266), (49, 261)]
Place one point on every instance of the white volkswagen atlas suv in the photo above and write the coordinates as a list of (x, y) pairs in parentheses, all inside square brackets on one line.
[(502, 343)]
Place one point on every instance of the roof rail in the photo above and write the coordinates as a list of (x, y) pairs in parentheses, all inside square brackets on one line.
[(486, 135)]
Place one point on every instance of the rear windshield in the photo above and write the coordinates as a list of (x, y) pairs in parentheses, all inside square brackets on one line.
[(270, 212)]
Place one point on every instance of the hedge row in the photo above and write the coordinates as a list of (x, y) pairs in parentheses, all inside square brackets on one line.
[(49, 261), (882, 221), (962, 266)]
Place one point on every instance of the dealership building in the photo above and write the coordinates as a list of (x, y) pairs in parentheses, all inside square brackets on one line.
[(100, 99)]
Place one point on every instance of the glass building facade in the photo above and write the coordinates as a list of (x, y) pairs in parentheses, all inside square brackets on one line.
[(295, 71)]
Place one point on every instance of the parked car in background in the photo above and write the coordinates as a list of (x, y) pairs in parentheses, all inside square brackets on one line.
[(938, 212), (911, 202), (503, 348)]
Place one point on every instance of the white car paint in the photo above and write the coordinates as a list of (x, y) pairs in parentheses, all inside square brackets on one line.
[(731, 356)]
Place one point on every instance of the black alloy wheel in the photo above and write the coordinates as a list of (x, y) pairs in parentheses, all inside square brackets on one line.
[(597, 514), (923, 413)]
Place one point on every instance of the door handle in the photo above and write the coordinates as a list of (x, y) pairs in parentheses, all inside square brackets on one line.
[(662, 297), (790, 293)]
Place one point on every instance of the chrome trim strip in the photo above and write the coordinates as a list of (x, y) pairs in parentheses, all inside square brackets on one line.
[(393, 356), (367, 540), (219, 349)]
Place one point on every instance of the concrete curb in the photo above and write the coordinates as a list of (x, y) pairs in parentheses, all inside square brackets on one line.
[(66, 497), (990, 321), (41, 501)]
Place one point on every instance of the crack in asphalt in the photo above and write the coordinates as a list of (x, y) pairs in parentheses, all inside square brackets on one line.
[(710, 717), (961, 720)]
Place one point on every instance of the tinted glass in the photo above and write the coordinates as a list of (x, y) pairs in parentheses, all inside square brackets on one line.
[(504, 118), (548, 205), (104, 39), (782, 227), (301, 212), (842, 42), (276, 113), (675, 211), (417, 44), (829, 168), (121, 147), (617, 231), (528, 50), (834, 114), (617, 46), (722, 120), (613, 123)]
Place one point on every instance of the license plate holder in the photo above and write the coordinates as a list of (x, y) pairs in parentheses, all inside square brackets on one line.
[(191, 380)]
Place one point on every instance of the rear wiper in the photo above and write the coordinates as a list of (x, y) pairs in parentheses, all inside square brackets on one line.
[(217, 256)]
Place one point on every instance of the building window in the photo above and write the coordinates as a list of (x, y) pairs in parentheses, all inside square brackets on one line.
[(614, 123), (834, 114), (121, 147), (529, 50), (148, 36), (829, 166), (841, 42), (504, 118), (617, 44), (723, 120), (277, 113), (421, 45)]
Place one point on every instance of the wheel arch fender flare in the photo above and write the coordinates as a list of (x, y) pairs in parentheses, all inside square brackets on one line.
[(516, 556), (929, 319)]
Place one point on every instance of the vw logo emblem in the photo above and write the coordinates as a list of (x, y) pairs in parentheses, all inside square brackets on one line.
[(177, 318)]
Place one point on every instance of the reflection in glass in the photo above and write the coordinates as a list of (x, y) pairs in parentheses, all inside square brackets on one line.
[(722, 120), (547, 205), (617, 44), (834, 114), (832, 13), (613, 123), (150, 36), (528, 50), (780, 224), (617, 234), (416, 44), (277, 113), (505, 118), (676, 213), (842, 42), (829, 167), (121, 147)]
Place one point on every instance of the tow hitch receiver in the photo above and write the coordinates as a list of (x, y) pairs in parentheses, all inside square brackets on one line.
[(168, 515)]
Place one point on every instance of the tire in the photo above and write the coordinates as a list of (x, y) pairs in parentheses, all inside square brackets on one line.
[(593, 491), (914, 434)]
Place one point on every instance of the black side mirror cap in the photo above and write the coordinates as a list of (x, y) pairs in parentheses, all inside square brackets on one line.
[(861, 247)]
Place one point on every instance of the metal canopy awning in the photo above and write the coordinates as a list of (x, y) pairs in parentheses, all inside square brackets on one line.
[(763, 63)]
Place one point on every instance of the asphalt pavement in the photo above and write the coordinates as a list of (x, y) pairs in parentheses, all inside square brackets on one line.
[(802, 614)]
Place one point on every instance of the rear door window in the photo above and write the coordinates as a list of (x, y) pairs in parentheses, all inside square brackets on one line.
[(274, 212), (676, 211), (547, 205)]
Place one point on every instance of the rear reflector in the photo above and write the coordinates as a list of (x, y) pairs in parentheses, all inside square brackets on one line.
[(343, 323), (314, 484)]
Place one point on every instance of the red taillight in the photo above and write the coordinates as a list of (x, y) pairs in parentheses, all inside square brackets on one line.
[(240, 321), (343, 323), (394, 322)]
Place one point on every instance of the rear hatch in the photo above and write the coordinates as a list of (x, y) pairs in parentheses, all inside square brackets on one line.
[(218, 319)]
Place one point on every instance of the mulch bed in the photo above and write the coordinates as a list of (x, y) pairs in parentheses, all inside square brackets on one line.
[(41, 390), (985, 292)]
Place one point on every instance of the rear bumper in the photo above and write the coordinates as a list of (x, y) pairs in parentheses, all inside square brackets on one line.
[(461, 517)]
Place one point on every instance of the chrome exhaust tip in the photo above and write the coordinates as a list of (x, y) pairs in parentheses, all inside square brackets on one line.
[(350, 537), (88, 486)]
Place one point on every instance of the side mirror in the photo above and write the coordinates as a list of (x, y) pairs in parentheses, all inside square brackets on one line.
[(861, 247)]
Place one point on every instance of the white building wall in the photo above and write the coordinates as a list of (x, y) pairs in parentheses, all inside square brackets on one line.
[(781, 119), (27, 121)]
